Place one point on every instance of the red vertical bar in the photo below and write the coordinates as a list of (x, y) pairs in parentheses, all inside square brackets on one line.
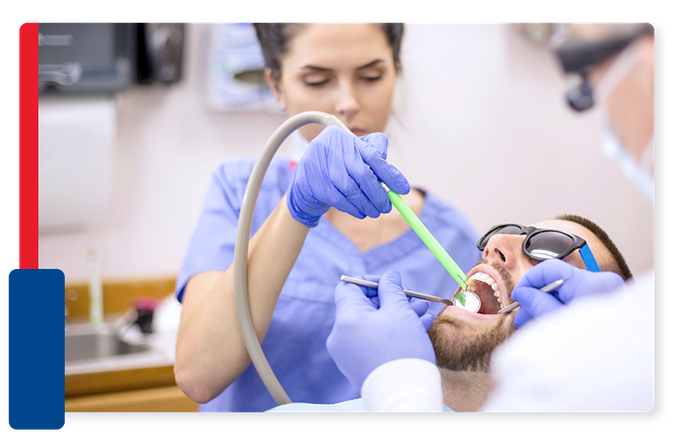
[(29, 146)]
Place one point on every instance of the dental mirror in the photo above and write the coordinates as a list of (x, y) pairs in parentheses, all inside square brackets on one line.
[(468, 300)]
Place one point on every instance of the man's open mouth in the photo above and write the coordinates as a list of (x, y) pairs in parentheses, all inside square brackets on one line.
[(485, 284)]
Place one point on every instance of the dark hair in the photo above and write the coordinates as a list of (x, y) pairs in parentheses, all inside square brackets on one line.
[(620, 266), (274, 41)]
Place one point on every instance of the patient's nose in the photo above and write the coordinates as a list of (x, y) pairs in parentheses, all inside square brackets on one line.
[(504, 249)]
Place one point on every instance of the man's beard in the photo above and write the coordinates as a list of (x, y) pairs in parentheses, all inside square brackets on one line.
[(457, 351)]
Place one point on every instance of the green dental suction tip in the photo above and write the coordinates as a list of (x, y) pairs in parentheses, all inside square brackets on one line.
[(427, 237)]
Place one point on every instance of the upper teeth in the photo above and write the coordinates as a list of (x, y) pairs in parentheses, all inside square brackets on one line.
[(484, 278)]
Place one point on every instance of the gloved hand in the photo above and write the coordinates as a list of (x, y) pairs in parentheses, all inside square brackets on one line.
[(578, 282), (420, 307), (341, 170), (365, 336)]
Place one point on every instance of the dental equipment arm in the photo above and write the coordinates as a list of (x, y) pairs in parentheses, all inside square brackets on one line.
[(240, 279), (211, 349), (240, 273)]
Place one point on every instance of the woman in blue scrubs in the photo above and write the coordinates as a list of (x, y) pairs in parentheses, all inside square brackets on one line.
[(350, 71)]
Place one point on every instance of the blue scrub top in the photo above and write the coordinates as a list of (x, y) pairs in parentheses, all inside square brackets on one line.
[(295, 344)]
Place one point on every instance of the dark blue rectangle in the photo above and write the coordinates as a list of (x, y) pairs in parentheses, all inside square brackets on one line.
[(37, 349)]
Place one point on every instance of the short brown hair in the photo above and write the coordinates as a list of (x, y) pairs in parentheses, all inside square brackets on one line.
[(620, 266)]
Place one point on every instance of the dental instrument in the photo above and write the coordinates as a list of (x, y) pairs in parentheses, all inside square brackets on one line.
[(417, 225), (464, 300), (410, 293), (468, 300), (551, 287)]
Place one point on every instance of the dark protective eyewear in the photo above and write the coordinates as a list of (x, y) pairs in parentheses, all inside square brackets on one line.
[(580, 57), (543, 244)]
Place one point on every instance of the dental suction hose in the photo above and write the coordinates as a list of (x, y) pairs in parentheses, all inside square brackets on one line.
[(240, 269)]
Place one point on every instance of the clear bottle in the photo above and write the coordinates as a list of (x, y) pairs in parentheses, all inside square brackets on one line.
[(95, 287)]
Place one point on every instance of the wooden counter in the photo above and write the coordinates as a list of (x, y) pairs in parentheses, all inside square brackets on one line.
[(131, 390)]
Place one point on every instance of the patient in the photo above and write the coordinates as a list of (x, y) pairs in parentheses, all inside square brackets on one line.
[(464, 341)]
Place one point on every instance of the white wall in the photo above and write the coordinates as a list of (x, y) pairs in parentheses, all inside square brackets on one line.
[(473, 96)]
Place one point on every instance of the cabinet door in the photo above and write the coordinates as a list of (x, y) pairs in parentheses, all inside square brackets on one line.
[(165, 399)]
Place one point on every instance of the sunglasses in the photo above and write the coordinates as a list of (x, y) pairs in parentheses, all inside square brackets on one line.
[(544, 244)]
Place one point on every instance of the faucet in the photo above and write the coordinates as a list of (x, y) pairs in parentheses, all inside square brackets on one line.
[(71, 295)]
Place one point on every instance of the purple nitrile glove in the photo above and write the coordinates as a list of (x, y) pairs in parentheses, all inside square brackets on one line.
[(365, 336), (343, 171), (578, 282)]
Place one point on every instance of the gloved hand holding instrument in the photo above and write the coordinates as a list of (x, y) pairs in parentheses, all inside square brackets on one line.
[(343, 171), (577, 282), (366, 335)]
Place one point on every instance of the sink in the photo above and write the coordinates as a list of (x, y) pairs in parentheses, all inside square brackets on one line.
[(84, 342)]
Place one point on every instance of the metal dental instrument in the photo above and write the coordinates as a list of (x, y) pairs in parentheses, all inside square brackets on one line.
[(410, 293), (551, 287)]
